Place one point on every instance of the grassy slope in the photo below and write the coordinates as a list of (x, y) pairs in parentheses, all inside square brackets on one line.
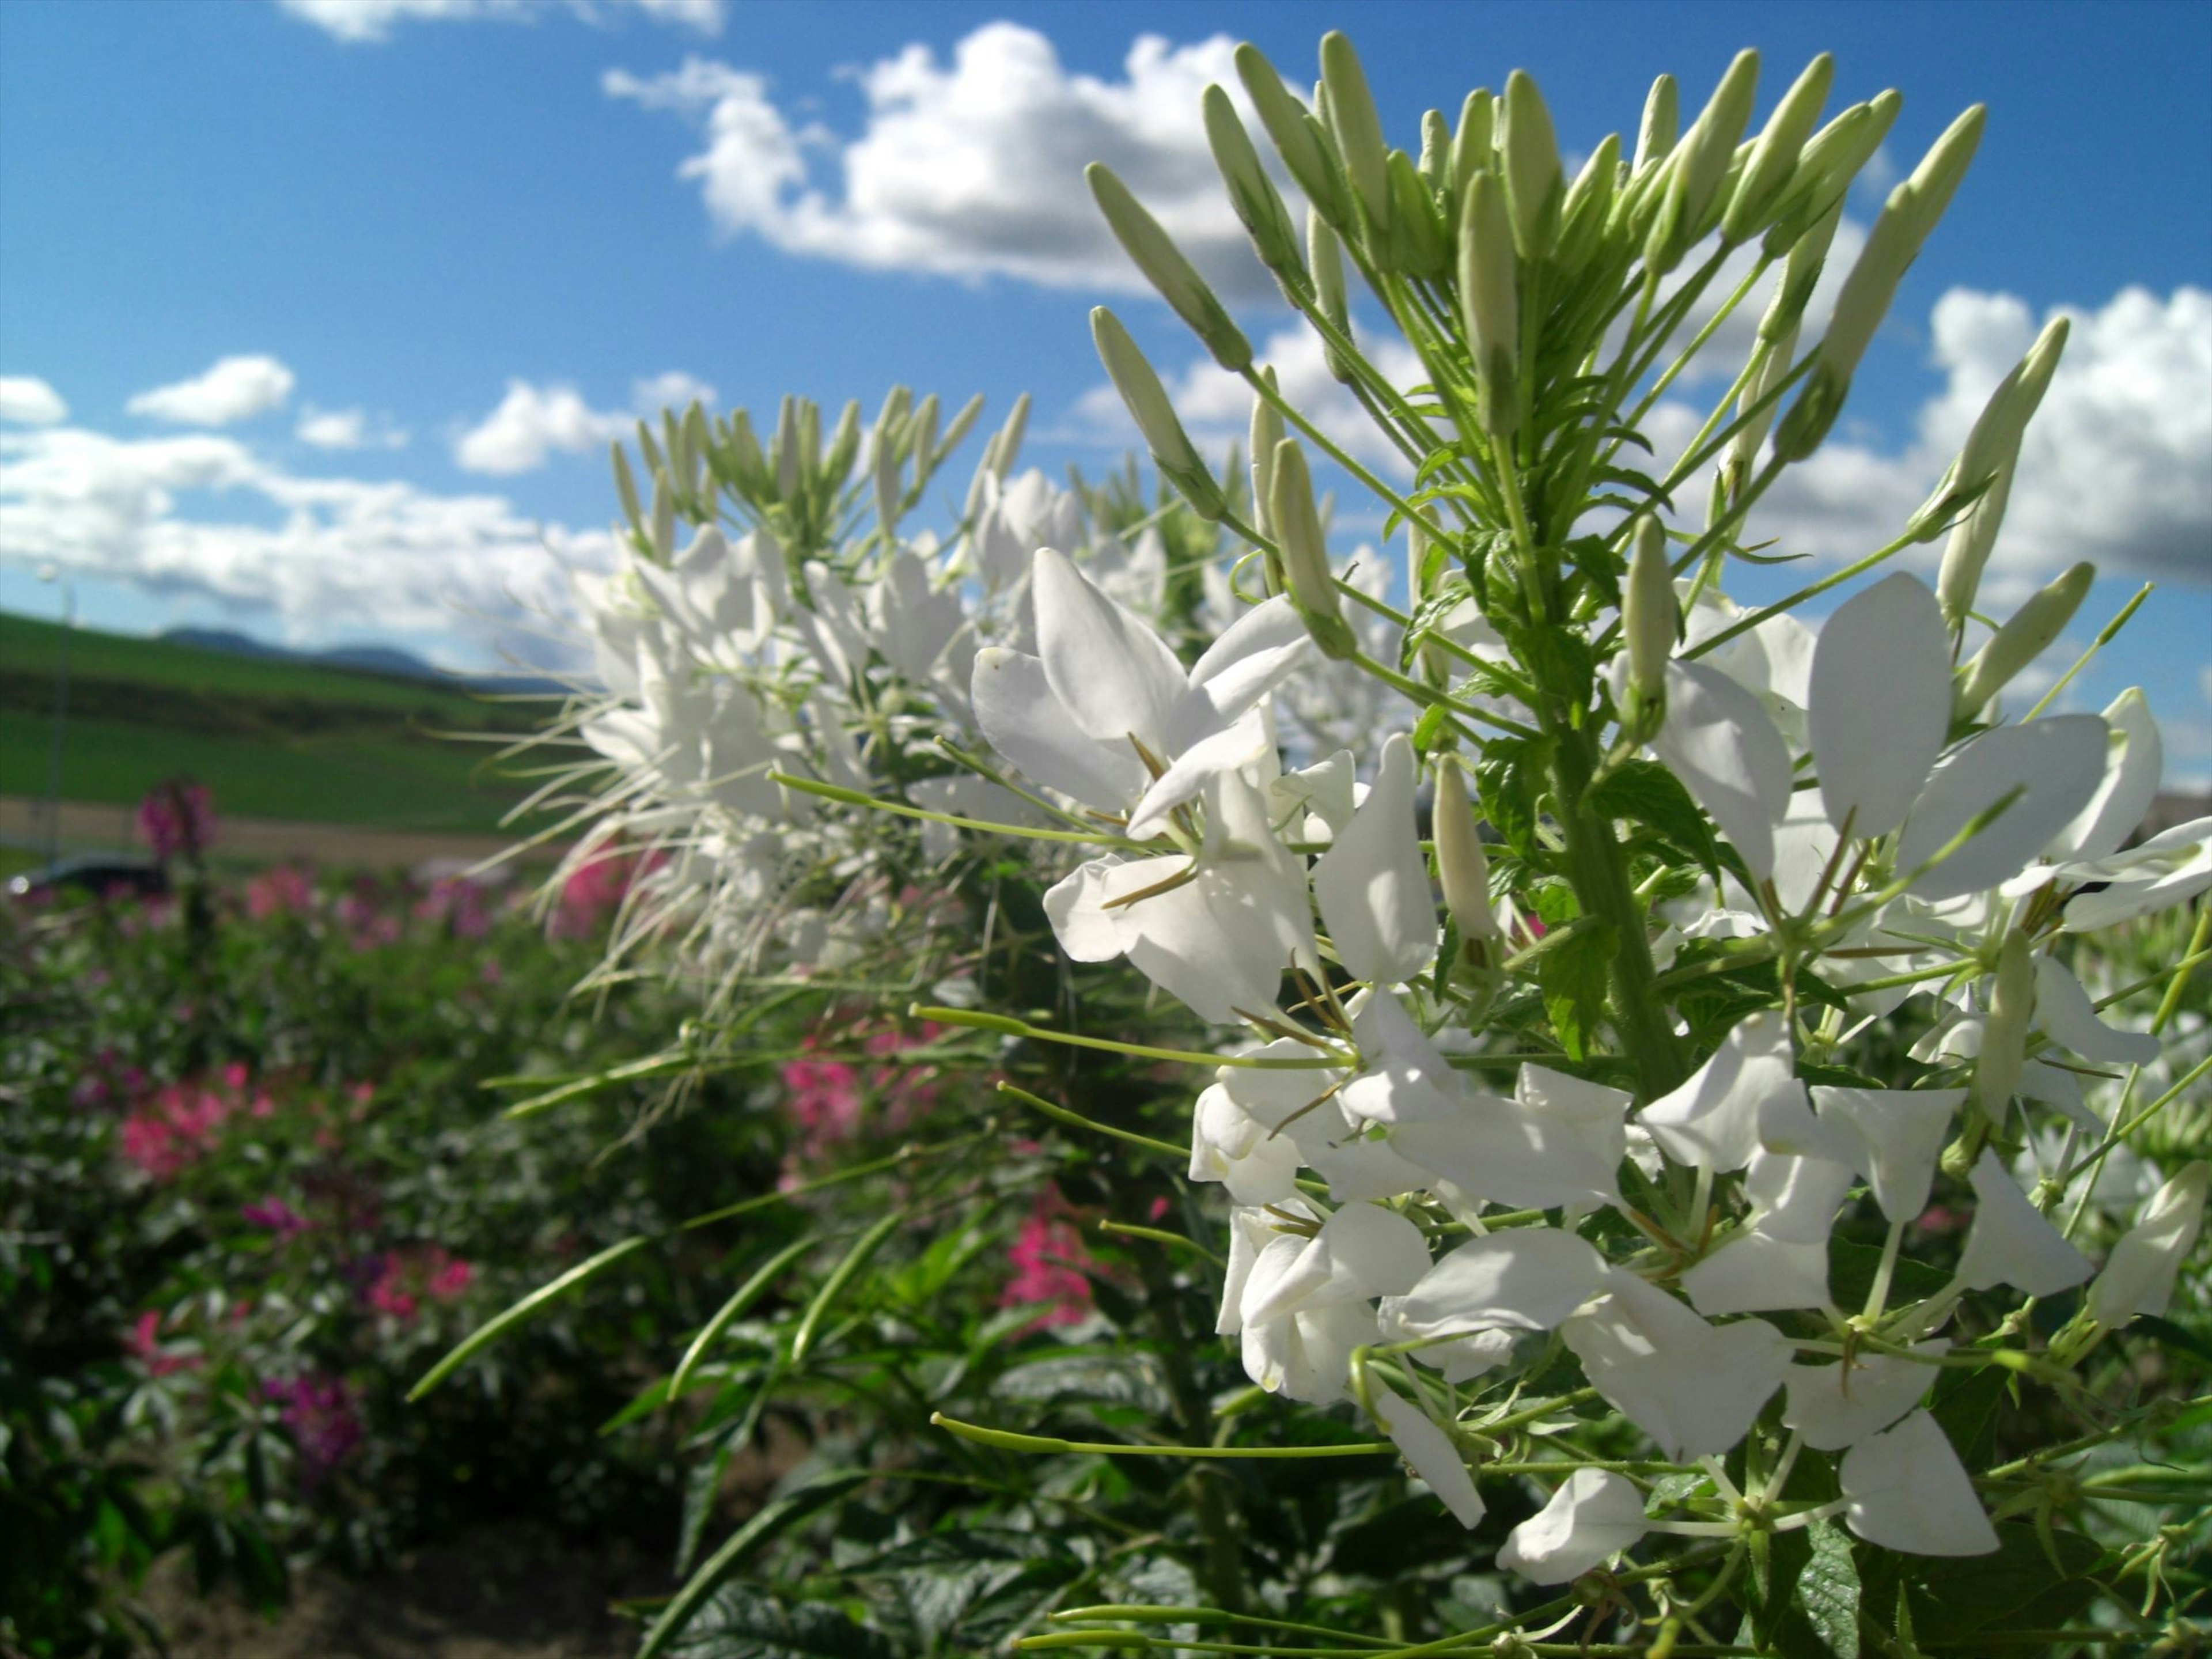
[(397, 774)]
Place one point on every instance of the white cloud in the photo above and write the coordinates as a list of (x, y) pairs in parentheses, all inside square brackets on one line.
[(235, 389), (360, 21), (345, 429), (533, 421), (2116, 467), (972, 167), (329, 556), (27, 400)]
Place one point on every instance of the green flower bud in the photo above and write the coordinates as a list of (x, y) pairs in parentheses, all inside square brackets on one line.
[(1967, 552), (1889, 252), (1147, 402), (1305, 553), (1534, 186), (1325, 255), (1995, 439), (648, 448), (925, 429), (1155, 253), (1800, 275), (1936, 178), (1266, 432), (810, 438), (1830, 161), (664, 517), (1296, 142), (1775, 157), (1008, 445), (1773, 367), (844, 445), (745, 458), (1463, 867), (1654, 136), (963, 420), (1589, 205), (1490, 301), (2004, 1037), (784, 450), (626, 490), (1701, 162), (1435, 151), (2021, 641), (1417, 245), (1258, 203), (1650, 618), (1471, 145), (1358, 131)]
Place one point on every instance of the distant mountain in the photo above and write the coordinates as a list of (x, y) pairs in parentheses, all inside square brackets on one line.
[(386, 660)]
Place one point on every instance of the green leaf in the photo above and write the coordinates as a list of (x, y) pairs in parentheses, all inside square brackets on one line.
[(1572, 976), (532, 1306), (742, 1298), (1510, 779), (1965, 1408), (1828, 1590), (1646, 792), (742, 1623), (867, 1245), (747, 1541), (1851, 1268), (2016, 1588)]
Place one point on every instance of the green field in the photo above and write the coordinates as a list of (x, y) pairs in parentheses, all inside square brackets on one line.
[(270, 738)]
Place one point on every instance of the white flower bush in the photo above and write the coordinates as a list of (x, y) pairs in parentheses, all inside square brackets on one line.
[(1581, 948)]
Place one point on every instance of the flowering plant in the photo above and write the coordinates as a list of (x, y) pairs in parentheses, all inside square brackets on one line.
[(1673, 1165)]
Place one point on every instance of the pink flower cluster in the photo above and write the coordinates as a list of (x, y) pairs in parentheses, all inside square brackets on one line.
[(325, 1422), (1048, 1257), (458, 904), (593, 891), (272, 1214), (826, 1097), (177, 1126), (177, 818), (282, 889), (403, 1278), (145, 1346)]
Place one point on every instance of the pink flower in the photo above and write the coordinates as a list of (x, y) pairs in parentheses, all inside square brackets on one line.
[(175, 1129), (450, 1276), (319, 1410), (144, 1344), (457, 902), (281, 889), (178, 817), (404, 1277), (593, 891), (1047, 1254), (274, 1215)]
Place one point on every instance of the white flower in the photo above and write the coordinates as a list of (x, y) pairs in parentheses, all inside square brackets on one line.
[(1712, 1120), (2139, 1276), (1373, 884), (1692, 1386), (1781, 1259), (1908, 1491), (1896, 1135), (1558, 1144), (1432, 1455), (1594, 1515), (1837, 1406), (1880, 703), (2011, 1244), (1524, 1278)]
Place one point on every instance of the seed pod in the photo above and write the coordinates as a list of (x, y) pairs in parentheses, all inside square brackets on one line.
[(1490, 301), (1463, 867), (2021, 641), (1534, 186), (1146, 400), (1155, 253)]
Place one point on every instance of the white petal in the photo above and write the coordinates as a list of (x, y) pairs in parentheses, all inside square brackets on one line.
[(1837, 1406), (1756, 1273), (1115, 674), (1075, 905), (2064, 1011), (1381, 1252), (1718, 740), (1510, 1153), (1526, 1277), (1432, 1455), (1031, 728), (1899, 1135), (2057, 764), (1796, 1197), (1593, 1515), (1225, 750), (1373, 884), (2138, 1278), (1908, 1491), (1407, 1079), (1713, 1119), (2135, 760), (1254, 654), (1290, 1271), (2011, 1244), (1880, 703), (1692, 1387)]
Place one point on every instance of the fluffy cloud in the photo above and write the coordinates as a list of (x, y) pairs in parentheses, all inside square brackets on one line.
[(358, 21), (235, 389), (972, 167), (534, 422), (25, 400), (345, 429), (2116, 467), (201, 514)]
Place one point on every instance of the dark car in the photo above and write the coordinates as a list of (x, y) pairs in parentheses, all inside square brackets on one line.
[(102, 875)]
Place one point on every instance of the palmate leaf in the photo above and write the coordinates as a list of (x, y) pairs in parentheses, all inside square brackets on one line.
[(1954, 1601), (740, 1622)]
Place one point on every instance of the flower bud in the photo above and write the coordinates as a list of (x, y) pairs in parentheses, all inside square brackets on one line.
[(963, 419), (1295, 141), (1471, 145), (1655, 137), (2021, 641), (1417, 245), (783, 449), (1148, 405), (1968, 551), (1436, 153), (626, 490), (925, 427), (1534, 186), (1650, 619), (1995, 440), (2004, 1037), (1800, 275), (1700, 164), (664, 517), (1772, 368), (810, 437), (1177, 280), (745, 458), (1775, 157), (2140, 1273), (1305, 554), (1462, 865), (1589, 204), (1358, 131), (1825, 167), (1936, 180), (1258, 203), (1490, 301), (1266, 433), (1008, 444), (1889, 252), (844, 444)]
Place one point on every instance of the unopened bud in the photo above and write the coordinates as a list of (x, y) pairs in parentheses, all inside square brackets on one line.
[(844, 445), (626, 491), (1252, 193), (1461, 865), (1654, 136), (1266, 432), (1305, 553), (1146, 400), (1800, 275), (1325, 255), (664, 517), (1008, 444), (1436, 153), (1650, 619), (1860, 306), (810, 437), (1995, 440), (1358, 131), (2139, 1276), (1772, 369), (745, 458), (1967, 552), (1936, 180), (1155, 253), (1830, 161), (1589, 204), (1298, 143), (2021, 641), (2004, 1034), (783, 450), (1471, 143), (1416, 240), (962, 421), (1535, 185), (1490, 301), (1700, 164), (1775, 157), (925, 427)]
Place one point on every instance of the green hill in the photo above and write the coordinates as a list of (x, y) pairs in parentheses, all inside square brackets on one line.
[(271, 737)]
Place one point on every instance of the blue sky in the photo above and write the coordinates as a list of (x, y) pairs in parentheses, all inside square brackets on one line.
[(449, 238)]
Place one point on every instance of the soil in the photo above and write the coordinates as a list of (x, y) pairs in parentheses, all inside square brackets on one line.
[(503, 1592)]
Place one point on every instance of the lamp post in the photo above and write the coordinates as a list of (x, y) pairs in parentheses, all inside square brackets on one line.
[(61, 713)]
